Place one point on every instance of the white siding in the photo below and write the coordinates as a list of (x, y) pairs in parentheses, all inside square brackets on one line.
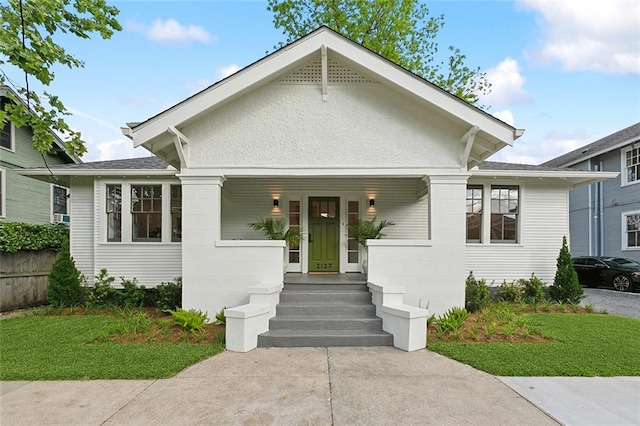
[(396, 199), (82, 225), (543, 222), (150, 263)]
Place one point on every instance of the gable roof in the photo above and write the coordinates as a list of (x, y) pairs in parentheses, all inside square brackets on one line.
[(614, 141), (58, 146), (493, 134)]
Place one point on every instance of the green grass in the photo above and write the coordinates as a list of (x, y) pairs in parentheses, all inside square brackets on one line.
[(58, 348), (583, 345)]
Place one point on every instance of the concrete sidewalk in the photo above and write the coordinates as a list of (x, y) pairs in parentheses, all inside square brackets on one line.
[(285, 386)]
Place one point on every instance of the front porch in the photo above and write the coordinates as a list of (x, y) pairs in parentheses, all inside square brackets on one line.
[(419, 263)]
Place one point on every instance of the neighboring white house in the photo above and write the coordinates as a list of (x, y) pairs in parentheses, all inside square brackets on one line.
[(321, 132)]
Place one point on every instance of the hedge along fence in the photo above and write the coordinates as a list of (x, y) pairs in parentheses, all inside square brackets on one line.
[(26, 254)]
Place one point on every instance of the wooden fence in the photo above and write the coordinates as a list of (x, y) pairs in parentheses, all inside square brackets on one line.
[(24, 278)]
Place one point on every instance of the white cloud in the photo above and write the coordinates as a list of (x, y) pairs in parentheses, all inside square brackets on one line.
[(551, 145), (228, 70), (172, 31), (113, 150), (506, 116), (600, 36), (507, 84)]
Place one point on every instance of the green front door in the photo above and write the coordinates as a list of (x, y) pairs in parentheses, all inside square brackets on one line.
[(324, 234)]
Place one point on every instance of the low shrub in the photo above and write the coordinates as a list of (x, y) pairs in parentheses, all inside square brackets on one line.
[(534, 289), (169, 295), (132, 294), (101, 293), (510, 292), (476, 293)]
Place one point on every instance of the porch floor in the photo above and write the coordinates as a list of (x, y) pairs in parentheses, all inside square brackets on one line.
[(299, 278)]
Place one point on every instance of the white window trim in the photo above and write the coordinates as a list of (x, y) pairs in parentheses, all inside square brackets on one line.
[(624, 238), (623, 167), (127, 218), (12, 140), (3, 188), (486, 214)]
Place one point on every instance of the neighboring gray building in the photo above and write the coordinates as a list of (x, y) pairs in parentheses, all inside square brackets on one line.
[(23, 199), (605, 217)]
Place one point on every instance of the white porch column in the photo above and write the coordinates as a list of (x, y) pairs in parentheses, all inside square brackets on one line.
[(447, 228), (201, 213)]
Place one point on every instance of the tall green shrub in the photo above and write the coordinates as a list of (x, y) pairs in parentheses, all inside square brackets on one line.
[(566, 288), (476, 293), (64, 287)]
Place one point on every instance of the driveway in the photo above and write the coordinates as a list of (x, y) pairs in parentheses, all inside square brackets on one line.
[(615, 302)]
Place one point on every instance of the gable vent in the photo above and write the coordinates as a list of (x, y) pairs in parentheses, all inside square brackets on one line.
[(312, 74)]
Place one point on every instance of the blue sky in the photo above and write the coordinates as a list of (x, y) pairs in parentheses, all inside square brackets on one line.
[(566, 71)]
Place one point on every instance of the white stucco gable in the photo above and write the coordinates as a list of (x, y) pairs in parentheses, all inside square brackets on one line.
[(281, 98)]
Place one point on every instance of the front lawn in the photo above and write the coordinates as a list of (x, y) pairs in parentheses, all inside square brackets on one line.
[(77, 347), (577, 345)]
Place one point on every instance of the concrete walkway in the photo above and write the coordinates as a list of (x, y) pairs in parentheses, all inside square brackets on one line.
[(291, 386)]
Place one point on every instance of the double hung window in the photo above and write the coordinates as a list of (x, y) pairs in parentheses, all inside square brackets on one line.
[(631, 165), (474, 213), (504, 213), (146, 212), (59, 201), (631, 230), (149, 212), (114, 212)]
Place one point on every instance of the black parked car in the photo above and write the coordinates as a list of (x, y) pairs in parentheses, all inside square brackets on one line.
[(623, 274)]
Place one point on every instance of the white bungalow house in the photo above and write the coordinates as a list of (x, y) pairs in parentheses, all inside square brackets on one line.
[(321, 132)]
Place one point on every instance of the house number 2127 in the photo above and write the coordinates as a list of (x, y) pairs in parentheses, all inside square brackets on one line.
[(323, 265)]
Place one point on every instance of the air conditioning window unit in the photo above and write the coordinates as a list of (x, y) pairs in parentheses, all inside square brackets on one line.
[(61, 218)]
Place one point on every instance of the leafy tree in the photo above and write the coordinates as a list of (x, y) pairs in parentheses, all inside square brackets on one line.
[(64, 287), (27, 42), (400, 30), (566, 287)]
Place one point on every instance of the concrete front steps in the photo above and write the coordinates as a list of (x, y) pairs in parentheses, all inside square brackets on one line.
[(321, 312)]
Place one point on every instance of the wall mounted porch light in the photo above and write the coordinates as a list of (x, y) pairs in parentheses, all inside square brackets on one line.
[(276, 202), (372, 202)]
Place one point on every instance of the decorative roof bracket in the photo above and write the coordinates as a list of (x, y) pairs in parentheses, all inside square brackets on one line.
[(468, 137), (178, 141)]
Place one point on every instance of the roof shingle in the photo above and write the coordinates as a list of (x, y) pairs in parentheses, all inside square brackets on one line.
[(600, 145)]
